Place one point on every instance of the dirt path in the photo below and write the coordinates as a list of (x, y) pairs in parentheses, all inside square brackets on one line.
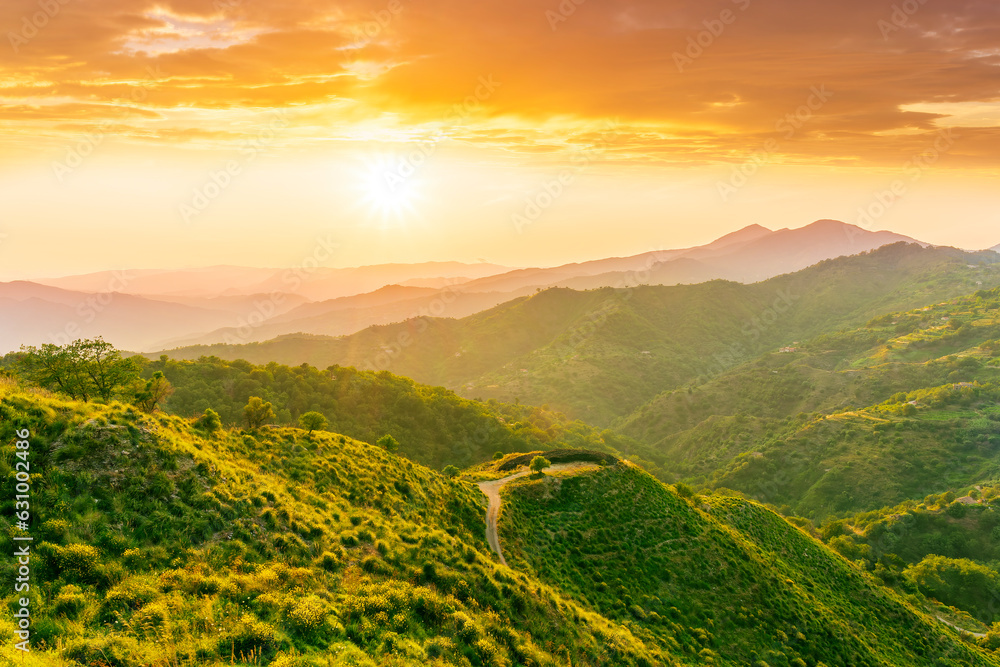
[(977, 635), (491, 490)]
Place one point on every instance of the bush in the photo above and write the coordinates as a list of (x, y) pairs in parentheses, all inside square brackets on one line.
[(249, 637), (70, 601), (209, 421), (129, 595), (74, 562), (388, 443), (113, 651), (307, 616)]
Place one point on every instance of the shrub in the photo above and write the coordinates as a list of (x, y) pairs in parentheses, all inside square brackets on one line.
[(113, 651), (250, 636), (209, 421), (329, 561), (55, 528), (307, 616), (388, 443), (153, 619), (129, 595), (70, 601), (75, 562)]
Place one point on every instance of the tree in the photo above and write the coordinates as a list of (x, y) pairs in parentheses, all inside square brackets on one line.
[(257, 412), (539, 463), (388, 443), (209, 421), (157, 390), (450, 471), (313, 421), (497, 456), (84, 369)]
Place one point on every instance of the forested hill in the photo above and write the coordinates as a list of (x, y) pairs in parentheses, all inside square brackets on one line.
[(599, 354), (431, 424), (900, 408), (158, 541)]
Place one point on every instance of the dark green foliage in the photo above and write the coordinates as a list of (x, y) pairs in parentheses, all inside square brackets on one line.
[(209, 421), (388, 443), (960, 583), (433, 425), (600, 354)]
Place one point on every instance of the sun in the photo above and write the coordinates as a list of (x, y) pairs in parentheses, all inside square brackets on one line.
[(390, 189)]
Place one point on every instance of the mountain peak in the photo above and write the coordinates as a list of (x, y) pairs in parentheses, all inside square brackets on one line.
[(744, 235)]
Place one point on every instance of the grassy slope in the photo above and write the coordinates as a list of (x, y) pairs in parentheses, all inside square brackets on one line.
[(901, 351), (782, 428), (584, 352), (719, 580), (157, 544), (433, 425)]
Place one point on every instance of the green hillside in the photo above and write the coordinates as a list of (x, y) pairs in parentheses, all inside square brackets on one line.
[(432, 425), (598, 355), (782, 429), (955, 341), (716, 579), (159, 544), (946, 546)]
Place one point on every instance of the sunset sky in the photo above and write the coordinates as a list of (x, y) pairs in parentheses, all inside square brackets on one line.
[(202, 132)]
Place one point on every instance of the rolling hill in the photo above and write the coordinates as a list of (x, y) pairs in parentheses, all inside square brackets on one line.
[(238, 304), (718, 578), (785, 428), (160, 541), (432, 425), (600, 354)]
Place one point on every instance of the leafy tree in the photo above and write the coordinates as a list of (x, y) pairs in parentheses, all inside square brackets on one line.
[(388, 443), (313, 421), (209, 421), (497, 456), (539, 463), (157, 390), (683, 490), (450, 471), (257, 412), (84, 369)]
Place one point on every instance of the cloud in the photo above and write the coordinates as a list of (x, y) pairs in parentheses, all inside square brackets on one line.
[(745, 65)]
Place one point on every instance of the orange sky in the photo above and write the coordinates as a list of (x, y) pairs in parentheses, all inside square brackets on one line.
[(241, 131)]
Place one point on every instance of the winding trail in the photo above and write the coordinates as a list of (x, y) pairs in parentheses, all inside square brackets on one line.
[(977, 635), (491, 489)]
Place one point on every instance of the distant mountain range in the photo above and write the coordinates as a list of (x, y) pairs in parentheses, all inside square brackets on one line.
[(599, 354), (148, 309)]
